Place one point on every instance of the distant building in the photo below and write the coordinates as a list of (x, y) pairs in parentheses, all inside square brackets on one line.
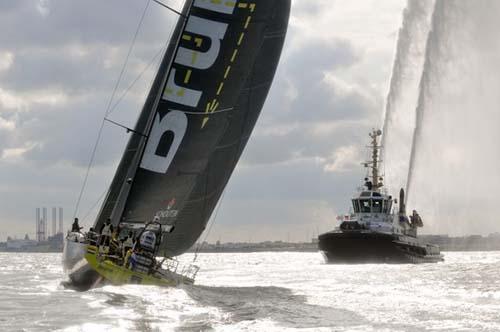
[(52, 244), (15, 244)]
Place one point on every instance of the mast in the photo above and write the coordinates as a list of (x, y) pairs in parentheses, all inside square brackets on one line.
[(375, 179)]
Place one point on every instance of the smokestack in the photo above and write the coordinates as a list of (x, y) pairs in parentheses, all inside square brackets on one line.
[(37, 224), (44, 224), (54, 221), (402, 205), (61, 225)]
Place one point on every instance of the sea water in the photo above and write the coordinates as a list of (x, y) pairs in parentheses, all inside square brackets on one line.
[(262, 292)]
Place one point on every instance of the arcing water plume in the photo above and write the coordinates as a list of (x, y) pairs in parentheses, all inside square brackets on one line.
[(454, 170), (399, 122)]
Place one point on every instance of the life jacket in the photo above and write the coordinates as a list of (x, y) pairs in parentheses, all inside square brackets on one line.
[(129, 242), (106, 230)]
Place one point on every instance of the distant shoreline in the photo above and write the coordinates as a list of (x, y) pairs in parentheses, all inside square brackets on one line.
[(446, 243), (249, 250), (32, 251)]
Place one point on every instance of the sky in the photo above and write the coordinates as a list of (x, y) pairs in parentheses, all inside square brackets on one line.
[(60, 61)]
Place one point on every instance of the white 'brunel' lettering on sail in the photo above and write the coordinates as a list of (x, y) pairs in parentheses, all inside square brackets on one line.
[(181, 95), (212, 30), (175, 122), (212, 33), (226, 7)]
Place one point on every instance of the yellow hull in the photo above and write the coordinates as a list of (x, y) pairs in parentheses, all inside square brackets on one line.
[(119, 275)]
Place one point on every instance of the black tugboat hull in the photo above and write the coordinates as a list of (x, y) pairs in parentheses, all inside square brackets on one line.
[(358, 247)]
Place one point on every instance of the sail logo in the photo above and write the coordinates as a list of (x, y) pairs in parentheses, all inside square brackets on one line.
[(167, 132), (168, 212), (171, 203)]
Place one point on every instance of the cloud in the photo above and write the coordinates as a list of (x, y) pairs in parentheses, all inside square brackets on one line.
[(310, 111), (14, 154), (6, 60), (344, 159)]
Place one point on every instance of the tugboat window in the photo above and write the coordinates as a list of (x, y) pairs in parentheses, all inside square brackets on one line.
[(377, 206), (365, 206), (355, 204)]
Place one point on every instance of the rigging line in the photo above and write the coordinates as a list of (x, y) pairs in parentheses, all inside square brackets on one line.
[(153, 60), (94, 205), (170, 8), (88, 169), (127, 57), (92, 157), (204, 113), (200, 246), (129, 130), (186, 16)]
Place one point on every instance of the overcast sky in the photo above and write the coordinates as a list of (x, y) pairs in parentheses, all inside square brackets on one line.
[(59, 62)]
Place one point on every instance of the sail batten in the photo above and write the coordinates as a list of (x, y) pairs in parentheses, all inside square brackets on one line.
[(208, 94)]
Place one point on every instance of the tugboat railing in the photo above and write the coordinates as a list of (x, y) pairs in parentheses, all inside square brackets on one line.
[(190, 271), (170, 264)]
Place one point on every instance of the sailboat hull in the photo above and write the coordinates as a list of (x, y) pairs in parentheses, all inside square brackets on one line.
[(119, 275), (357, 247), (73, 251), (81, 275)]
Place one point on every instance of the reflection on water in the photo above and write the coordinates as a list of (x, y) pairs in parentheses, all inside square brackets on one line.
[(276, 303), (262, 292)]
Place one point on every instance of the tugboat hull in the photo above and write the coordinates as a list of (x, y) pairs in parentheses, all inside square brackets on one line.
[(358, 247)]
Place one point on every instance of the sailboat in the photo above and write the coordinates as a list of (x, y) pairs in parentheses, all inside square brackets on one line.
[(203, 105)]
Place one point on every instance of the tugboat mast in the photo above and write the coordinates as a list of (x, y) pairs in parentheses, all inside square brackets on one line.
[(376, 181)]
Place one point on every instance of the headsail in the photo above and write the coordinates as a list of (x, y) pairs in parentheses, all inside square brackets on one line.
[(200, 112)]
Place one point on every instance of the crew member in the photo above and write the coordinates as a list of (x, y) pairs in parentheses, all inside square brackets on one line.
[(147, 241), (92, 236), (128, 243), (75, 227), (106, 232), (131, 259), (115, 243), (416, 220)]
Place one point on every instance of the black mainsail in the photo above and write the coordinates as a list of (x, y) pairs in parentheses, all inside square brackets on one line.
[(198, 116)]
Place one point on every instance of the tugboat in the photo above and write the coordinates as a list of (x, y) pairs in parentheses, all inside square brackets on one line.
[(376, 232)]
